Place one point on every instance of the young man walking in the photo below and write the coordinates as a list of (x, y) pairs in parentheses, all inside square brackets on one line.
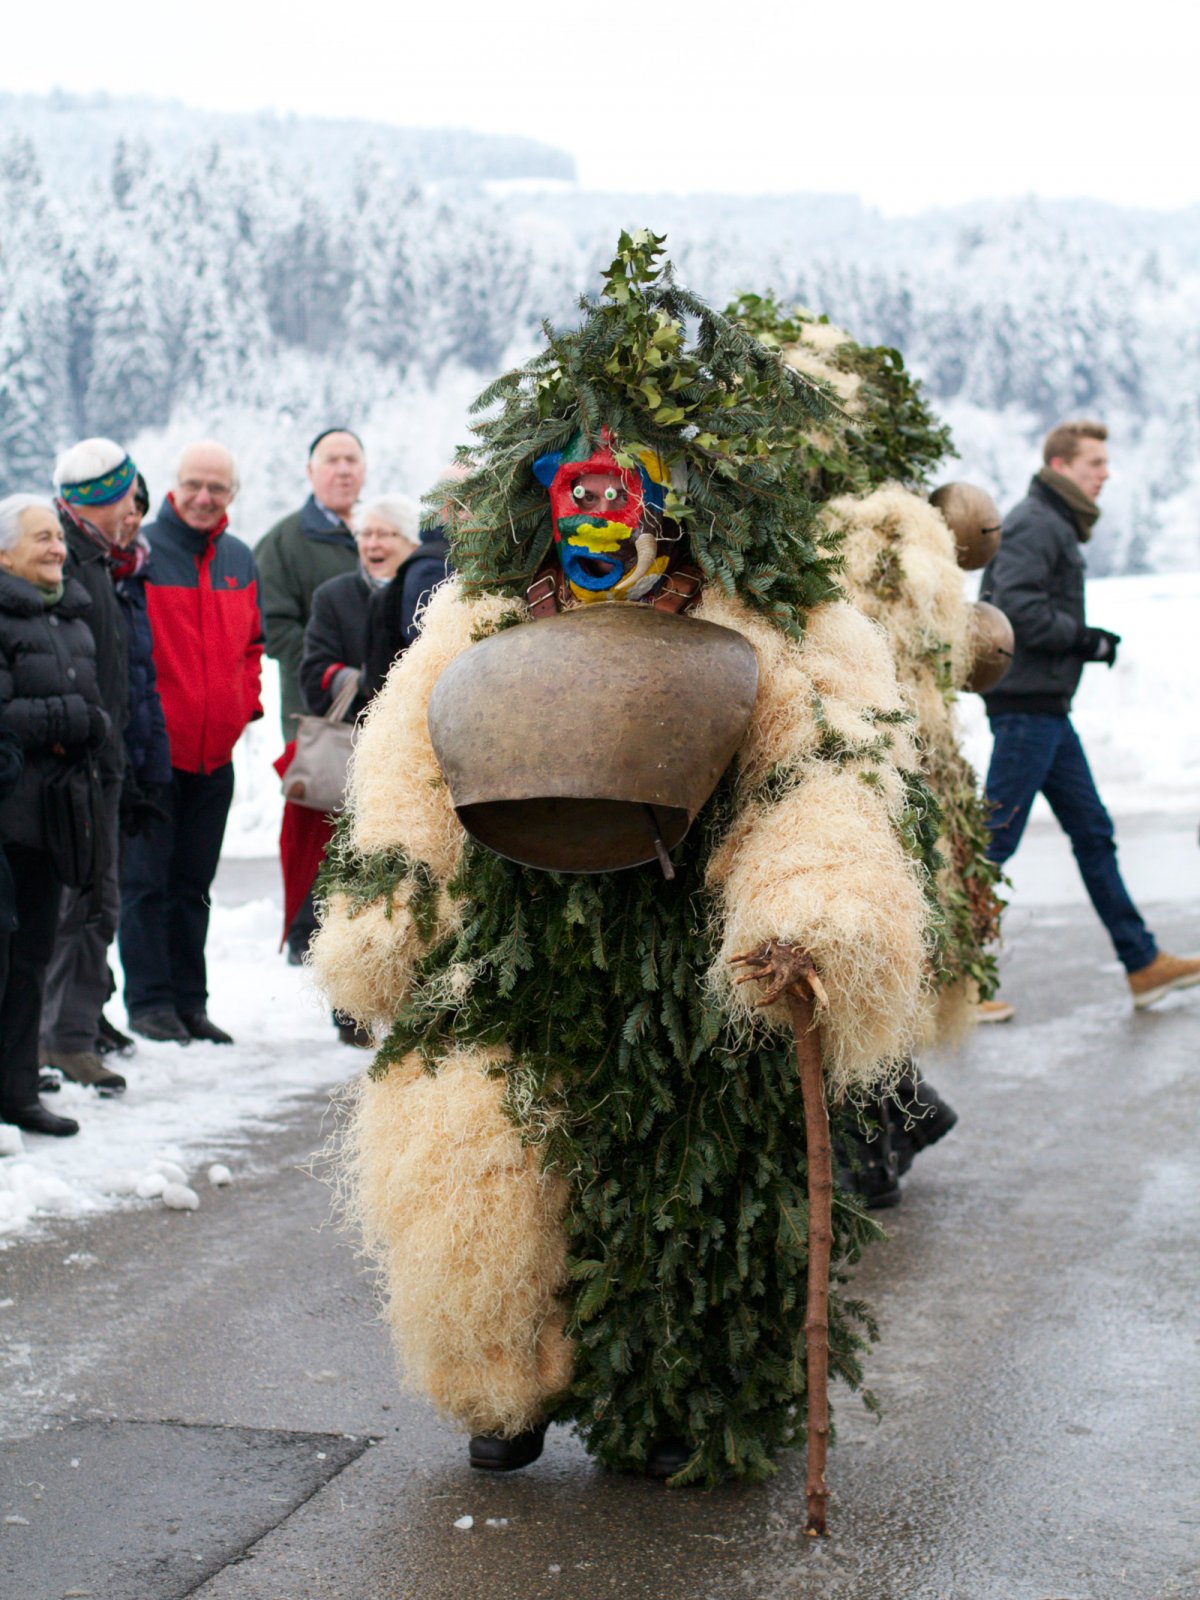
[(1037, 580)]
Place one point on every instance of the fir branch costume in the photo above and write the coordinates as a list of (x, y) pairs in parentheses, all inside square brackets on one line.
[(579, 1155)]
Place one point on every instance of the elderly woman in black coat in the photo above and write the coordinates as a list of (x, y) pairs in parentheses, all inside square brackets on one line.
[(50, 704), (335, 639)]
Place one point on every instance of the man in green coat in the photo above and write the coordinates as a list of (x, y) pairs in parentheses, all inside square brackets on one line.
[(304, 550)]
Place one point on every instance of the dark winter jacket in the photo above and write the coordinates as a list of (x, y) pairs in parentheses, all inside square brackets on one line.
[(49, 695), (1036, 578), (146, 744), (336, 637), (294, 559), (392, 623), (88, 562), (12, 760), (202, 598)]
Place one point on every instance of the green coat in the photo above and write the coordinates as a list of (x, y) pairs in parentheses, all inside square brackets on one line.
[(294, 558)]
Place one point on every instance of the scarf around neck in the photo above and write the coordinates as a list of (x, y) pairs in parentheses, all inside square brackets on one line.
[(51, 593), (372, 581), (128, 560), (1084, 510)]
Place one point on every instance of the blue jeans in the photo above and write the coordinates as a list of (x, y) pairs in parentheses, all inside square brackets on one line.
[(1033, 753)]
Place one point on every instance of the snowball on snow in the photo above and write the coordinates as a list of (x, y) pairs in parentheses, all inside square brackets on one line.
[(219, 1175), (123, 1181), (180, 1198), (171, 1170), (151, 1186), (11, 1142)]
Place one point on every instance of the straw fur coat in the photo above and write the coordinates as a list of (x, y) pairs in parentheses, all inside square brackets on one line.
[(458, 1208)]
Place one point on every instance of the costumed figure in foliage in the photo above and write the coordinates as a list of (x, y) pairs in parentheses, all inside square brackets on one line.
[(903, 553), (636, 853)]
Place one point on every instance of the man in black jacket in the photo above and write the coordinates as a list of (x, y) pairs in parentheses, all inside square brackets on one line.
[(1037, 580), (96, 483), (305, 550)]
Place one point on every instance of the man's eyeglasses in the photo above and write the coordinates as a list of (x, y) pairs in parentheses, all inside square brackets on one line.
[(219, 491)]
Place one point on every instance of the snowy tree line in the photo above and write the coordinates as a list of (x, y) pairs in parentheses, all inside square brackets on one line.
[(215, 291)]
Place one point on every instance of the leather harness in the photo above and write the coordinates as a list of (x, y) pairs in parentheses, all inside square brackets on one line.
[(548, 594)]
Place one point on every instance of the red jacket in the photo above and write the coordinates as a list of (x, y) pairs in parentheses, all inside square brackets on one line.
[(202, 595)]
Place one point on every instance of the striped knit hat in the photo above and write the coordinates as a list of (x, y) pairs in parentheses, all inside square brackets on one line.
[(95, 472)]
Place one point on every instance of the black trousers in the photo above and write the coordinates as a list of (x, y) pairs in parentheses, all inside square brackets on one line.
[(78, 981), (166, 876), (24, 957)]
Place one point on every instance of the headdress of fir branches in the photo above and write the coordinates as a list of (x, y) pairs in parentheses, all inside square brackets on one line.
[(893, 437), (660, 370)]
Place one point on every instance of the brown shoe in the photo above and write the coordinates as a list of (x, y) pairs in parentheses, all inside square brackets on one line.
[(994, 1011), (1162, 975), (86, 1067)]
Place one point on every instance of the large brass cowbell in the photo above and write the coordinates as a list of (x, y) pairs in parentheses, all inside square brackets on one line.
[(588, 741)]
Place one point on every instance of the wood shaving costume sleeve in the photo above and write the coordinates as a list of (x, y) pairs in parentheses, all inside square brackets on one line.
[(467, 1229), (813, 854)]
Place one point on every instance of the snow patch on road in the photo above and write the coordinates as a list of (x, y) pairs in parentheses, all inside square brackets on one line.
[(184, 1107)]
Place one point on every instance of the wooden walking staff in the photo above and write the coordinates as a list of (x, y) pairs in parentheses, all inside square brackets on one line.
[(790, 975)]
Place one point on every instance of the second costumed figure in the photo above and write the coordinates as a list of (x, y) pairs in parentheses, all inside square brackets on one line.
[(903, 555), (641, 735)]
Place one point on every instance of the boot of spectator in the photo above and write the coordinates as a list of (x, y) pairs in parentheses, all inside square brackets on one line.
[(86, 1067)]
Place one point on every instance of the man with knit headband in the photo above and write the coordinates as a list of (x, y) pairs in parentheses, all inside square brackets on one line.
[(1037, 580), (96, 481)]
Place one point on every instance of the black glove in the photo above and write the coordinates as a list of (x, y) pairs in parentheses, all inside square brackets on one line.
[(1097, 644), (99, 728), (140, 807)]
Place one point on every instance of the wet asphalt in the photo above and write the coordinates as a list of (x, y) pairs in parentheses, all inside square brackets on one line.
[(204, 1404)]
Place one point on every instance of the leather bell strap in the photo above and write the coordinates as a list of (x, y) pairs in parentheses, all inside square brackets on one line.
[(547, 594)]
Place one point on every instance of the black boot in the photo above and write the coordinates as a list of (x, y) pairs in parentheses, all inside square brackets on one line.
[(352, 1033), (667, 1457), (866, 1161), (491, 1454), (35, 1118), (163, 1026), (111, 1041), (919, 1118), (201, 1026)]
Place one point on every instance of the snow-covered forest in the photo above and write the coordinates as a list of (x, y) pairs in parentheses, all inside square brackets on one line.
[(166, 274)]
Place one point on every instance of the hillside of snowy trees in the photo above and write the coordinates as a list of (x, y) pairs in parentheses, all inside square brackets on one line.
[(166, 274)]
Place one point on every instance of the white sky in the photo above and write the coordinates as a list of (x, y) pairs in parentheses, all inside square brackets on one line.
[(909, 106)]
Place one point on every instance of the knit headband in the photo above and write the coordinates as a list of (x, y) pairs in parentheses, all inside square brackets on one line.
[(101, 491)]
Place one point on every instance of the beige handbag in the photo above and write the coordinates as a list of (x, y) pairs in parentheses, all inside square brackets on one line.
[(317, 775)]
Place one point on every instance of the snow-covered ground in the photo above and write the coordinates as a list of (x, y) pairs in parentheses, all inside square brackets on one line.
[(189, 1108), (186, 1108)]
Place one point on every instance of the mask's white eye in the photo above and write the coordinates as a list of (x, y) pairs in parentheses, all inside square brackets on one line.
[(578, 491), (610, 493)]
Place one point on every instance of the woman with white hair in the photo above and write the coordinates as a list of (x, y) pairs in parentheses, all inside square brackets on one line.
[(335, 651), (50, 703), (335, 640)]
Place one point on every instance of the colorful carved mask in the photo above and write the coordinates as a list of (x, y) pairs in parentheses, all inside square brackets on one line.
[(607, 520)]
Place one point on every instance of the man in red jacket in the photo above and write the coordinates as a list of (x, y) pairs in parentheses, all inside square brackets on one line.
[(202, 595)]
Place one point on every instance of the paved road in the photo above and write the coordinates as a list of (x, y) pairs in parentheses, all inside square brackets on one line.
[(202, 1404)]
